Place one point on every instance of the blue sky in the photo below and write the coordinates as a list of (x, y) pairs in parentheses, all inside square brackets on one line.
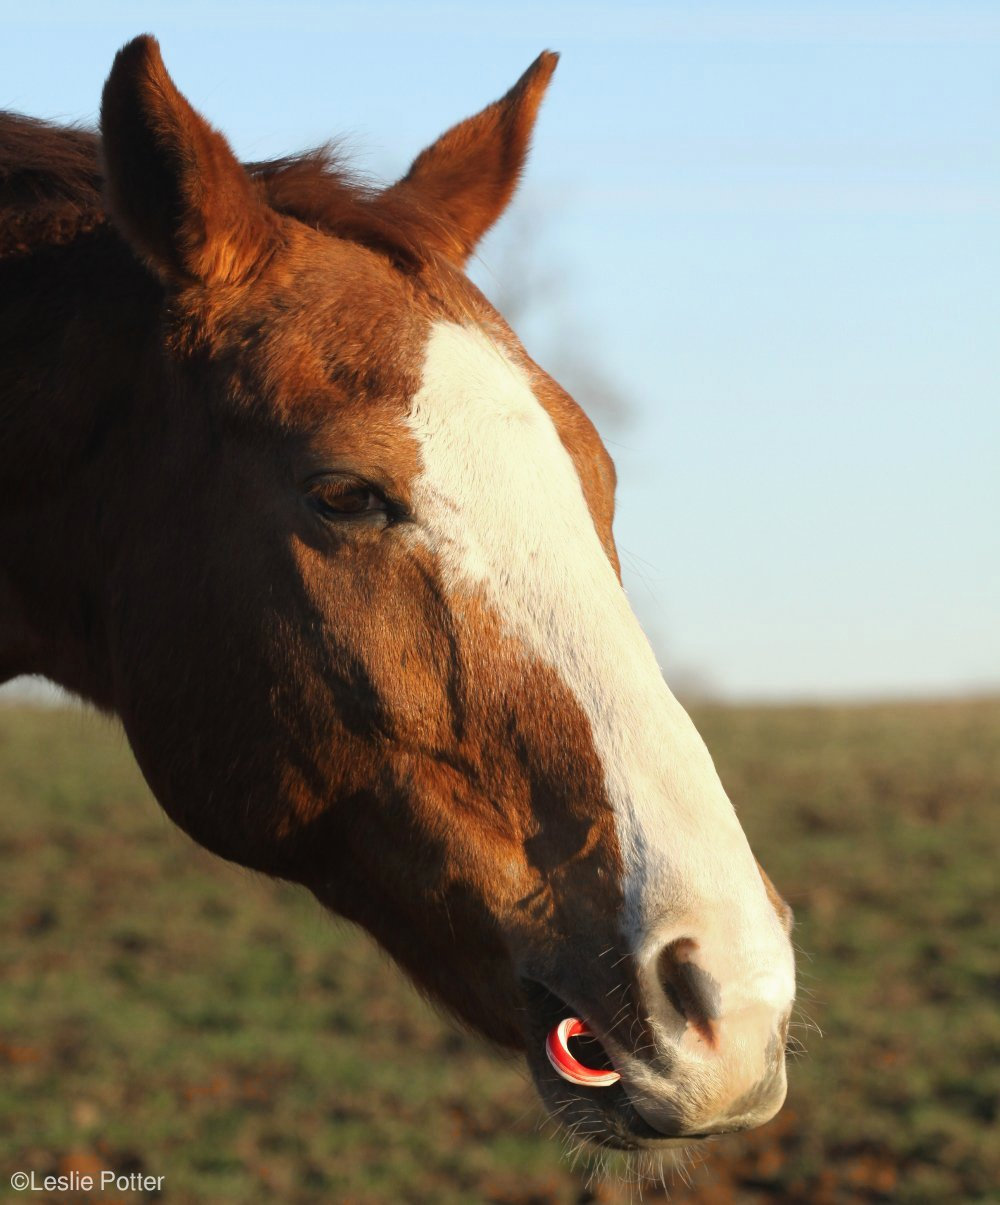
[(775, 229)]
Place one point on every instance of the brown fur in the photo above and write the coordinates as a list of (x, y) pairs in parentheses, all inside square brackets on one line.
[(185, 344), (334, 717)]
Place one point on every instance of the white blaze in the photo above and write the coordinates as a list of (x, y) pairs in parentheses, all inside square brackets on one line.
[(501, 504)]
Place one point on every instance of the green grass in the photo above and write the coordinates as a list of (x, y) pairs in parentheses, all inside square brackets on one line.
[(162, 1011)]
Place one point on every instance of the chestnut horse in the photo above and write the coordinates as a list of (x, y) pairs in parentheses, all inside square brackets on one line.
[(283, 492)]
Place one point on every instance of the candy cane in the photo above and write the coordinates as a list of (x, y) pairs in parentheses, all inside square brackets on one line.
[(557, 1048)]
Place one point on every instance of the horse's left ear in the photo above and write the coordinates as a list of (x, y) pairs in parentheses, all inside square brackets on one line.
[(464, 181)]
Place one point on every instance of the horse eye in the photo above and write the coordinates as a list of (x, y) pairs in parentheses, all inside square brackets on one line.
[(340, 499)]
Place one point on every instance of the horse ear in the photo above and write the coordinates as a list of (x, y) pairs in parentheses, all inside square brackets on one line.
[(173, 185), (465, 180)]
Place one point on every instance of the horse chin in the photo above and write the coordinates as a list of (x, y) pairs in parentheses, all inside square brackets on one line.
[(602, 1117)]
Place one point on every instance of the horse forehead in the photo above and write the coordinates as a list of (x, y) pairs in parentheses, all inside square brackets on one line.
[(499, 498), (481, 423)]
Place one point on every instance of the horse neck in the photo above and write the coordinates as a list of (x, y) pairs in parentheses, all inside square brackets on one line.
[(74, 320)]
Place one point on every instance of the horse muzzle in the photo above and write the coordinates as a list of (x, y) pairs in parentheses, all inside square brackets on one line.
[(629, 1079)]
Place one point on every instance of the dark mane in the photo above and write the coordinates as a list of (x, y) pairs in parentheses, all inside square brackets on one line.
[(318, 189), (52, 181)]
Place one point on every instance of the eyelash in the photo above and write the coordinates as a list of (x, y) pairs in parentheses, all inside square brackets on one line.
[(344, 499)]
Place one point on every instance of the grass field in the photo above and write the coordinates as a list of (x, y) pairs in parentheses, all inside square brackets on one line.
[(163, 1012)]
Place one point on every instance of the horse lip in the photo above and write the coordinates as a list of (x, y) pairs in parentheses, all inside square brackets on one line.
[(563, 1010), (621, 1125)]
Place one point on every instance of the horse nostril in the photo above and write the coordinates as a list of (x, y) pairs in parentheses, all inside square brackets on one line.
[(692, 992)]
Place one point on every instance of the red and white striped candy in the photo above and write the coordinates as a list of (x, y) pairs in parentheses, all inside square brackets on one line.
[(557, 1048)]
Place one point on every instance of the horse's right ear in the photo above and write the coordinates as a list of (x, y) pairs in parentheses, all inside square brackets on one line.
[(174, 188)]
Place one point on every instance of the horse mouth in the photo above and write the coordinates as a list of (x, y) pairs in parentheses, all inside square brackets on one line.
[(565, 1062), (577, 1080)]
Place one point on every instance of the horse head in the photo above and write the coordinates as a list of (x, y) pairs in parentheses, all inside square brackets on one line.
[(362, 615)]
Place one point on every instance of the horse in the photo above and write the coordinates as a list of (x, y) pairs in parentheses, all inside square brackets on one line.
[(284, 493)]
